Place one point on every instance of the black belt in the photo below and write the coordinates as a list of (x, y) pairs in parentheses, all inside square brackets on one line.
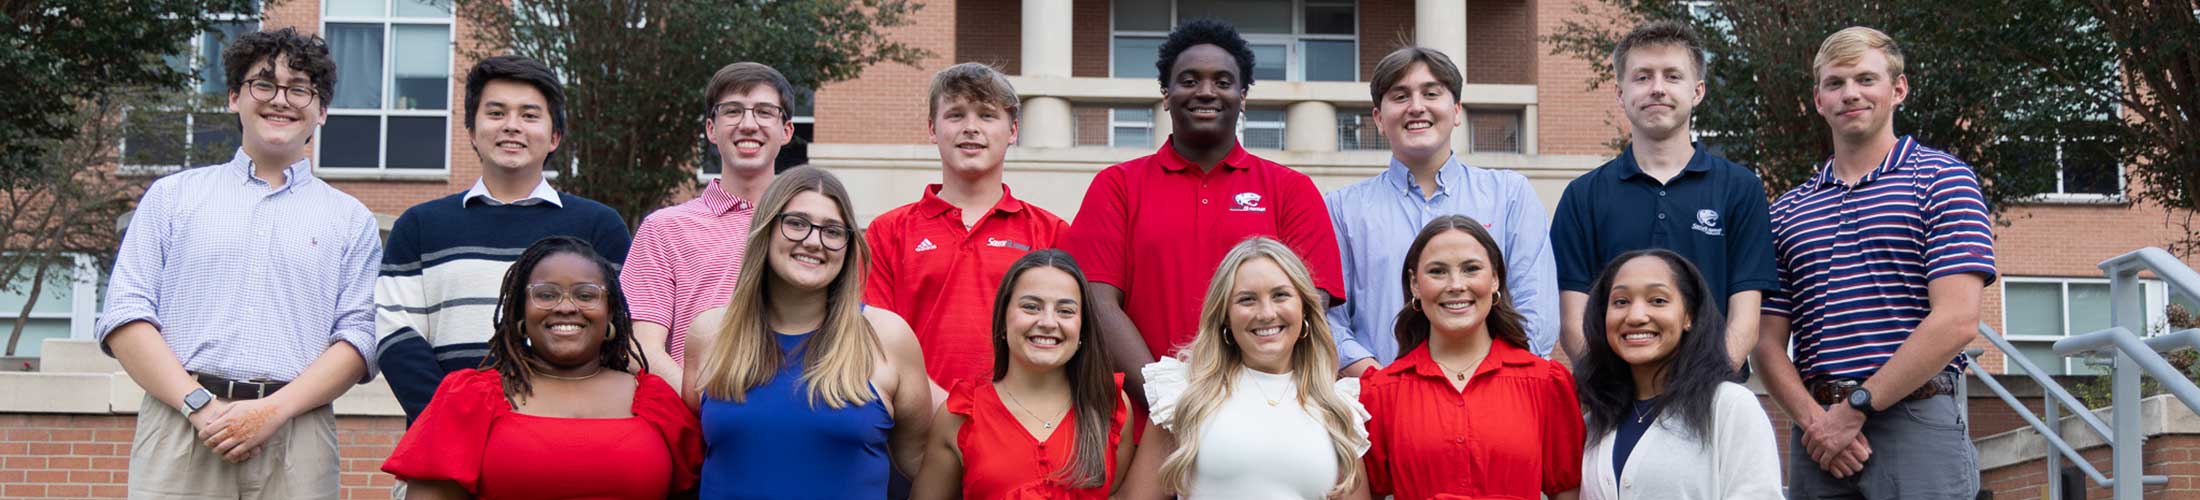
[(234, 390), (1836, 391)]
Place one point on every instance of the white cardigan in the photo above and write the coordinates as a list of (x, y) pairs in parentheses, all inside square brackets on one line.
[(1742, 461)]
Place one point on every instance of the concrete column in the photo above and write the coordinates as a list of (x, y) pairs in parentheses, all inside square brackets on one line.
[(1047, 122), (1442, 25), (1310, 126), (1528, 130), (1161, 124)]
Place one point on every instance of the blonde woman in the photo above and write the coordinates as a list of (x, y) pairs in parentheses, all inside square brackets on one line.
[(803, 392), (1251, 409)]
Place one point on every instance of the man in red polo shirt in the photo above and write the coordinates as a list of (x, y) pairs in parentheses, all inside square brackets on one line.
[(1152, 229), (938, 262)]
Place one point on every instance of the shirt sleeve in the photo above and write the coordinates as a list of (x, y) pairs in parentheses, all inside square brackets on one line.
[(133, 286), (878, 284), (448, 442), (1349, 348), (1779, 300), (1377, 458), (1533, 277), (1959, 237), (1306, 228), (1102, 228), (647, 278), (404, 352), (1573, 240), (1562, 431), (1749, 248), (356, 315)]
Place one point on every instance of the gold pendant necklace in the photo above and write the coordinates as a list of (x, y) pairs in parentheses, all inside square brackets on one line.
[(1263, 388), (1049, 425)]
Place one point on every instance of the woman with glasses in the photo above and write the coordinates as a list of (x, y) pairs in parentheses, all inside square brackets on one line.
[(805, 393), (555, 410)]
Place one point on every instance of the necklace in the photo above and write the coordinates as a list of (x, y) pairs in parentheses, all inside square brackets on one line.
[(1263, 388), (590, 375), (1642, 410), (1048, 424), (1460, 375)]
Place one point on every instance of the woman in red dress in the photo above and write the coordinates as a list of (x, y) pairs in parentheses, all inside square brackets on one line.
[(1053, 422), (555, 412), (1468, 410)]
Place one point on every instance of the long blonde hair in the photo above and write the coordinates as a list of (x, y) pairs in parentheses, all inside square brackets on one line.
[(837, 360), (1214, 366)]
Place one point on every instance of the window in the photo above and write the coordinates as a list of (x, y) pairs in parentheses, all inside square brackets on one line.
[(195, 128), (1494, 131), (2086, 172), (392, 110), (1294, 40), (1261, 128), (1131, 128), (66, 306), (795, 153), (2038, 311), (1357, 131)]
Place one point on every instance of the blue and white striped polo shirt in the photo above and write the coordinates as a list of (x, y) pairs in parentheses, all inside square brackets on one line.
[(1854, 260)]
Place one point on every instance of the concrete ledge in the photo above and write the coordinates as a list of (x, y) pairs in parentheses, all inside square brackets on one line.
[(54, 392), (78, 378), (1144, 91), (74, 356), (2159, 415)]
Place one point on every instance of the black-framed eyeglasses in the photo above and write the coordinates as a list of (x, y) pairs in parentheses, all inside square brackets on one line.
[(264, 91), (731, 112), (546, 296), (798, 228)]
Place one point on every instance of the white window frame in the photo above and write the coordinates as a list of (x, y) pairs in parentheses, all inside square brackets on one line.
[(2157, 301), (1114, 121), (190, 114), (83, 301), (1294, 68), (2061, 195), (383, 112)]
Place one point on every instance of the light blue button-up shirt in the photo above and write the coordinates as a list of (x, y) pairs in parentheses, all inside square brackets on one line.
[(1376, 221), (246, 280)]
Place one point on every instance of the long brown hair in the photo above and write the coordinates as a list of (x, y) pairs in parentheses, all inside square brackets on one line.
[(1503, 323), (837, 360), (509, 355), (1091, 383)]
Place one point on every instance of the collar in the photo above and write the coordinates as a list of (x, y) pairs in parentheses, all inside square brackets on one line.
[(1629, 169), (1896, 158), (298, 173), (1400, 176), (542, 194), (719, 201), (1238, 158), (933, 206), (1420, 362)]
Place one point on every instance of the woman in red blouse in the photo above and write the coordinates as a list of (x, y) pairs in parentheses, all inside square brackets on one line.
[(1468, 410), (1053, 422), (555, 412)]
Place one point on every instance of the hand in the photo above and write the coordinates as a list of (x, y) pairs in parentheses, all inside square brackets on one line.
[(1832, 433), (242, 427), (203, 420), (1851, 460), (1359, 367)]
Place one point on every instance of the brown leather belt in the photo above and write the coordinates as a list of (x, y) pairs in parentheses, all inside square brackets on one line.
[(236, 390), (1836, 391)]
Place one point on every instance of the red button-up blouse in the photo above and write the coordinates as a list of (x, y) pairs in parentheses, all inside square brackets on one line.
[(1515, 431)]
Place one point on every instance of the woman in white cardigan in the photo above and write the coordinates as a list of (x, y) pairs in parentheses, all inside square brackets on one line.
[(1665, 420)]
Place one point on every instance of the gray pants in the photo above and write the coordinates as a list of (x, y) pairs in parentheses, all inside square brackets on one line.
[(1920, 450)]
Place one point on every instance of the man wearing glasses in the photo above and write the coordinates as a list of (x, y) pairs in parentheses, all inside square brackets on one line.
[(437, 294), (240, 299), (686, 256)]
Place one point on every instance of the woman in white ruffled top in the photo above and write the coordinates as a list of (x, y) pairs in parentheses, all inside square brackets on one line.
[(1251, 409)]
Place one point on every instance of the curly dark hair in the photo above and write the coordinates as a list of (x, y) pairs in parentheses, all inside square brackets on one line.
[(1206, 31), (1693, 372), (508, 351), (307, 54)]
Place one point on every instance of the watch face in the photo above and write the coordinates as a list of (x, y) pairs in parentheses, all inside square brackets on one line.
[(1860, 398), (197, 399)]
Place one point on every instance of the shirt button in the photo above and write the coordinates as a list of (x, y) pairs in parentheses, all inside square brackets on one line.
[(1661, 216), (1661, 192), (1202, 201)]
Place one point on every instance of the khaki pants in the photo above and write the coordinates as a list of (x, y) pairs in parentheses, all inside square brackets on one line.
[(167, 460)]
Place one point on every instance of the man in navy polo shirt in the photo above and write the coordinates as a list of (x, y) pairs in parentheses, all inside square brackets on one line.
[(1665, 192), (1883, 257)]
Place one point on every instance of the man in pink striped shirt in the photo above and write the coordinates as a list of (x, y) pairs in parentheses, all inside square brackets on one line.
[(685, 257)]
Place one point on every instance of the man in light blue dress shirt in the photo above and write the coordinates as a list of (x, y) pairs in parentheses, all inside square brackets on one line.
[(1417, 104)]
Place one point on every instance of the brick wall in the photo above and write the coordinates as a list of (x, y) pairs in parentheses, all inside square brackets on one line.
[(1571, 118), (1501, 45), (1385, 25), (991, 32), (886, 104), (88, 456), (2176, 456), (1088, 39)]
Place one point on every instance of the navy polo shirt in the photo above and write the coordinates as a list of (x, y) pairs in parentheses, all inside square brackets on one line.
[(1713, 213)]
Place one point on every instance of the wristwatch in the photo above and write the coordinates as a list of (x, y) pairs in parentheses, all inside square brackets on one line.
[(1861, 400), (198, 398)]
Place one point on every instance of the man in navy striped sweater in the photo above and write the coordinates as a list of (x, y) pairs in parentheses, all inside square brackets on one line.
[(445, 258)]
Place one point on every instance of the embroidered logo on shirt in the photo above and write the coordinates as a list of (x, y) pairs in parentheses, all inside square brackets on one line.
[(1001, 243), (1248, 202), (1707, 222), (925, 246)]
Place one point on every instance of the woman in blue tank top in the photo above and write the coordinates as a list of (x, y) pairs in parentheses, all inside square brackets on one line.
[(804, 393)]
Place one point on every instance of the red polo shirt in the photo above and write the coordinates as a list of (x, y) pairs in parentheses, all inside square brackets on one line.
[(942, 277), (1516, 429), (1156, 227)]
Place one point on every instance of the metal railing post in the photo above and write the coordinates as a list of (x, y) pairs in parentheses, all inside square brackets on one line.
[(2127, 310), (2054, 460)]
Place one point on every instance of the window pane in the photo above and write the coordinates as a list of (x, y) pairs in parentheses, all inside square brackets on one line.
[(1250, 16), (416, 142), (214, 138), (2032, 308), (1141, 15), (2041, 354), (1134, 57), (797, 151), (351, 142), (35, 333), (1263, 128), (152, 139), (1132, 115), (1133, 137), (1494, 131), (420, 8), (1330, 20), (212, 77), (1269, 62), (2089, 170), (54, 297), (2088, 308), (421, 69), (354, 8), (357, 49), (1358, 131), (1330, 60)]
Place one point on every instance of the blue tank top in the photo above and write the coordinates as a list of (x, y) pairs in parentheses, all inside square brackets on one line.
[(776, 445)]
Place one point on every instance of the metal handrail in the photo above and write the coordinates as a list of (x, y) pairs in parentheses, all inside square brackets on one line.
[(2010, 354), (2128, 344)]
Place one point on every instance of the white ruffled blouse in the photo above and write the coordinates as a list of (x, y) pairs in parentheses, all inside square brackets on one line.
[(1250, 448)]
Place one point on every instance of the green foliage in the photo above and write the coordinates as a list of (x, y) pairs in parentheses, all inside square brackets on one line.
[(635, 72), (2000, 84), (2158, 45)]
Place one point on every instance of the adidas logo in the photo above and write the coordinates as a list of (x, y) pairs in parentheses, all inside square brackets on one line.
[(926, 245)]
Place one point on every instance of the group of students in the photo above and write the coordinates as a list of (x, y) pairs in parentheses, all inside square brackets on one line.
[(1210, 326)]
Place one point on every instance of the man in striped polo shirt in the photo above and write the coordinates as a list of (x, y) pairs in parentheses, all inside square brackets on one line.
[(1882, 258)]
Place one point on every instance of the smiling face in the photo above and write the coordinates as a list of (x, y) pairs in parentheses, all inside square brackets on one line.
[(1659, 89), (513, 129), (973, 136), (1265, 315), (746, 141), (1646, 314), (1417, 114), (1044, 319), (1456, 284), (567, 310), (1205, 95), (282, 123), (1858, 98), (813, 261)]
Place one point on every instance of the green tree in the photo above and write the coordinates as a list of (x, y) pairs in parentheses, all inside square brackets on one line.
[(2009, 86), (635, 72), (2158, 44)]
